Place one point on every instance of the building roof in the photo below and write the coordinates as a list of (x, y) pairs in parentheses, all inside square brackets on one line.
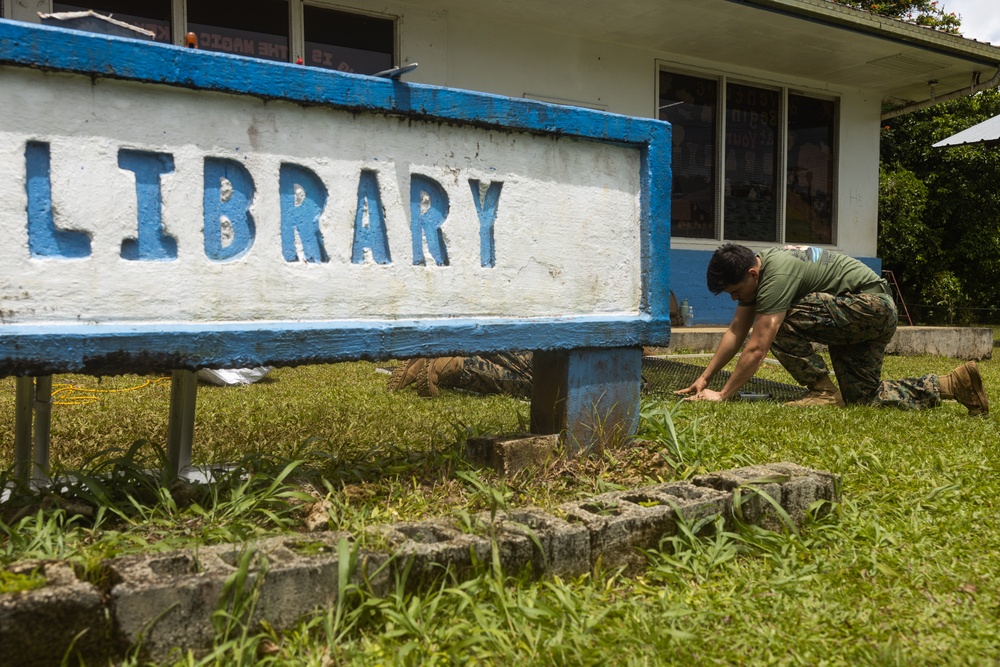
[(814, 39)]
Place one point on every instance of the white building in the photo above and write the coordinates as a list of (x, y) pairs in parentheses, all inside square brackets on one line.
[(777, 105)]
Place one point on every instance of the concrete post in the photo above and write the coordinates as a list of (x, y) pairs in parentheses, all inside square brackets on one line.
[(590, 396)]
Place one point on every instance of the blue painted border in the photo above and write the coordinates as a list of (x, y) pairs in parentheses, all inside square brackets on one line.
[(122, 348)]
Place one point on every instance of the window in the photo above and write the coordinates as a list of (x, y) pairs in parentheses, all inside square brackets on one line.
[(257, 28), (809, 198), (689, 103), (153, 15), (727, 166), (348, 42)]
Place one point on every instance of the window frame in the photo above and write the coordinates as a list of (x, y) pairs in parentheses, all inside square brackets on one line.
[(298, 15), (296, 23), (722, 80)]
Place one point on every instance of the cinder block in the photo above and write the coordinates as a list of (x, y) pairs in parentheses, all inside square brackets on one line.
[(793, 487), (301, 574), (41, 626), (620, 528), (165, 601), (555, 547), (426, 551), (623, 524), (691, 503), (509, 454)]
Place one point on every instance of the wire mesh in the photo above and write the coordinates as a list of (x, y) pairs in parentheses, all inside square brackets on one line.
[(662, 377)]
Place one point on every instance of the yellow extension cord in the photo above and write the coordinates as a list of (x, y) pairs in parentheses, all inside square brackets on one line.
[(80, 396)]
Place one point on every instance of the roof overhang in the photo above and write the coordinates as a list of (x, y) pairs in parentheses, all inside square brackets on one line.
[(817, 40)]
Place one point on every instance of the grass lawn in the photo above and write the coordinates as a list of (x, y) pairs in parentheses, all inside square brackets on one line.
[(905, 571)]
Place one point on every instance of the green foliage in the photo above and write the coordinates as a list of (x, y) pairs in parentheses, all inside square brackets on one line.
[(903, 238), (18, 582), (902, 571), (929, 13), (940, 212)]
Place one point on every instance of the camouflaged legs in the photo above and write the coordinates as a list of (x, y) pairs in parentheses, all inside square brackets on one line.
[(496, 373), (855, 327), (910, 393)]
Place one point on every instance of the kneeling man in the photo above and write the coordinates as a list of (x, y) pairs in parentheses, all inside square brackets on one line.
[(798, 295)]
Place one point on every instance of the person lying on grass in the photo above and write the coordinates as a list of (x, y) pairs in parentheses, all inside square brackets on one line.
[(794, 296), (489, 373)]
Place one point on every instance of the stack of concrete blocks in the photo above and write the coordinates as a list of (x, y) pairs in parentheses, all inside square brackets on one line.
[(157, 604)]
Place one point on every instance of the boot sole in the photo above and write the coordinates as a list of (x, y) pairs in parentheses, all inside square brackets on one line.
[(399, 377), (977, 388)]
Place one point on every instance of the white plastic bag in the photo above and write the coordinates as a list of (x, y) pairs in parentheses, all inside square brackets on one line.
[(233, 377)]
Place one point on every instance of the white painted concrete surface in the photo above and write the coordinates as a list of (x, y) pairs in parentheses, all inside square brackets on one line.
[(566, 231)]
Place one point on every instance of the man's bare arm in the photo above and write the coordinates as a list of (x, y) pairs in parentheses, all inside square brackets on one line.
[(765, 328), (730, 344)]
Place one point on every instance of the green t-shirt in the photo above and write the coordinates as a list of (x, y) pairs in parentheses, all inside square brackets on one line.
[(787, 274)]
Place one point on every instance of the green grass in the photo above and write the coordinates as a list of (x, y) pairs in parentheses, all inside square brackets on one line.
[(905, 571)]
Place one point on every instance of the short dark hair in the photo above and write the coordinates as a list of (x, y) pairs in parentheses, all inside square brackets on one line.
[(728, 266)]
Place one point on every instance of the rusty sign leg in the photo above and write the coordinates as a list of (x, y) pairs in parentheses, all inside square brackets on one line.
[(24, 397)]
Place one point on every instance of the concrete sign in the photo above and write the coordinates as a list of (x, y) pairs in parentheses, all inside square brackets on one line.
[(168, 208)]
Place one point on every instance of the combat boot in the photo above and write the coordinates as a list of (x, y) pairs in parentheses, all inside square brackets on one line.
[(405, 373), (439, 372), (965, 385), (822, 392)]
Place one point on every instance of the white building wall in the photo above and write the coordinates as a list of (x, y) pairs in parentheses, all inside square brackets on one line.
[(857, 201)]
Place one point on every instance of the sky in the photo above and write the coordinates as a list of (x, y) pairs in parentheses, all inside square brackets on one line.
[(980, 18)]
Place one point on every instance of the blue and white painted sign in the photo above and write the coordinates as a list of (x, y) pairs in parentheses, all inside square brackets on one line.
[(167, 208)]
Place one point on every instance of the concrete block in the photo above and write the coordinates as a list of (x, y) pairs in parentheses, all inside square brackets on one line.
[(554, 547), (621, 525), (958, 342), (793, 487), (426, 551), (690, 502), (295, 565), (65, 617), (509, 454), (164, 602)]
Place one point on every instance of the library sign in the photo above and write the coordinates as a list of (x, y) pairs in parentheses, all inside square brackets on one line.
[(159, 195)]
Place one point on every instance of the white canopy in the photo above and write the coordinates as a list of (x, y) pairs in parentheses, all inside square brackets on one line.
[(987, 132)]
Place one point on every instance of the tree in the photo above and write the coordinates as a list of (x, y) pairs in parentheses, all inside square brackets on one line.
[(939, 208), (928, 13), (939, 212)]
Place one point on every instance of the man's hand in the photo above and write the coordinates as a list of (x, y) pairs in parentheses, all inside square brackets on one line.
[(706, 395), (693, 391)]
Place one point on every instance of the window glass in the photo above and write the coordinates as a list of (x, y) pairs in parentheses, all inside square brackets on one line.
[(809, 193), (348, 42), (690, 103), (751, 186), (257, 28), (153, 15)]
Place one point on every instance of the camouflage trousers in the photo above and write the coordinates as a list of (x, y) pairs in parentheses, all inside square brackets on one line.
[(856, 328), (495, 373)]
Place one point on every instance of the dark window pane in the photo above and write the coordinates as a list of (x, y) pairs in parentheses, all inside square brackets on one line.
[(809, 197), (257, 28), (751, 206), (348, 42), (690, 103), (153, 15)]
